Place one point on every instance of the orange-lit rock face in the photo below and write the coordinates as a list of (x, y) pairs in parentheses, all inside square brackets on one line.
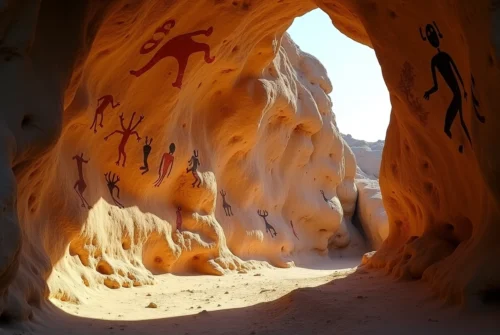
[(216, 79), (183, 148), (431, 189)]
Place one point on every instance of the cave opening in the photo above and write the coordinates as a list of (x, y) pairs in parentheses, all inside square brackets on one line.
[(360, 97)]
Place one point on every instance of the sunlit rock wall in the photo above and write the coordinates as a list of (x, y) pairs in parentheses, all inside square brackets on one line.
[(183, 147), (205, 78)]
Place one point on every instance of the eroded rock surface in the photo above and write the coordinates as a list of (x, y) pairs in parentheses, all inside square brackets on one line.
[(370, 215), (252, 116), (182, 149), (368, 155)]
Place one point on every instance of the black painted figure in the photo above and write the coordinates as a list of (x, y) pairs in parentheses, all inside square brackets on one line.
[(80, 184), (225, 205), (446, 66), (324, 198), (111, 180), (269, 229), (475, 102), (328, 201), (146, 149), (194, 162), (125, 132), (293, 229)]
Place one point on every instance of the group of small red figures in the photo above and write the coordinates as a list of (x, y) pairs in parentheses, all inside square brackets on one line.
[(180, 48)]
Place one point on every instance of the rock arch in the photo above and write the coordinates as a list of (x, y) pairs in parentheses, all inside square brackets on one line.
[(58, 58)]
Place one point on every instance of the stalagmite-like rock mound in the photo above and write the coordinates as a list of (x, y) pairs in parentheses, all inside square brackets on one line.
[(370, 215), (157, 136)]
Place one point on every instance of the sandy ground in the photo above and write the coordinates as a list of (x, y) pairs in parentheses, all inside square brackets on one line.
[(337, 299)]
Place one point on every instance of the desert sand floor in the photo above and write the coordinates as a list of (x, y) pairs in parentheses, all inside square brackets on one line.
[(337, 299)]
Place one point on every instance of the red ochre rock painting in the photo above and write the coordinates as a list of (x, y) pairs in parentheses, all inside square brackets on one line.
[(125, 132), (103, 103), (179, 47)]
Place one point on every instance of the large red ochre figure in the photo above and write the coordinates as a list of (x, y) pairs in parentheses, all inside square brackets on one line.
[(180, 48)]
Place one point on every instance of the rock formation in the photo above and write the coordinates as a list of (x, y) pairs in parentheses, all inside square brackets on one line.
[(368, 155), (95, 92), (143, 182), (371, 212), (370, 215)]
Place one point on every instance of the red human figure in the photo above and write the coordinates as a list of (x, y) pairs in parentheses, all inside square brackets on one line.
[(180, 48), (293, 229), (125, 132), (166, 164), (80, 184), (179, 219), (106, 101)]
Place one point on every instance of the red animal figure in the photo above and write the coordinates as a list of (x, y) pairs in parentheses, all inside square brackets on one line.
[(227, 207), (293, 229), (80, 184), (180, 48), (106, 101), (179, 219), (166, 164), (125, 132)]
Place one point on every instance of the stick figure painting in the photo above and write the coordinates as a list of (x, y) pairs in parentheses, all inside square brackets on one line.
[(80, 185), (194, 162), (103, 103), (269, 228), (126, 132), (444, 64), (111, 180), (227, 207), (146, 149)]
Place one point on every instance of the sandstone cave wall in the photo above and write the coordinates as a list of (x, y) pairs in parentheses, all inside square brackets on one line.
[(252, 115), (58, 58), (440, 193)]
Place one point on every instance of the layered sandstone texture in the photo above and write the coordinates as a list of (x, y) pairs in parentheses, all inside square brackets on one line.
[(178, 145), (368, 156), (370, 214), (439, 168), (87, 85)]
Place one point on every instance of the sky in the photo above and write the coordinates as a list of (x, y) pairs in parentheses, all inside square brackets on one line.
[(360, 97)]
